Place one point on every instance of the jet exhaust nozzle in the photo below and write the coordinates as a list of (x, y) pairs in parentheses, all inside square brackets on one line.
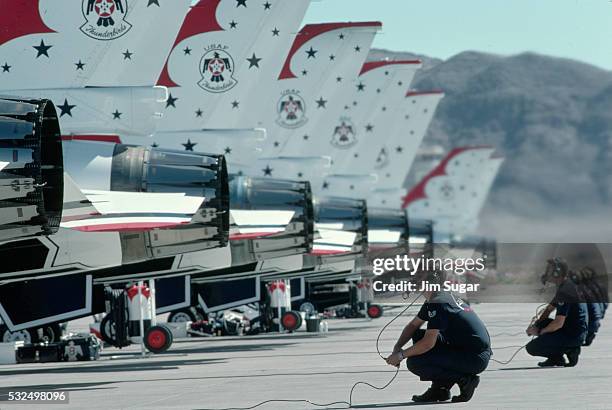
[(421, 235), (338, 217), (31, 168), (154, 170), (387, 228), (265, 194)]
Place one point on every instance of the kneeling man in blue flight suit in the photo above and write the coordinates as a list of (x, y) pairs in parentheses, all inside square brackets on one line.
[(454, 348), (564, 334)]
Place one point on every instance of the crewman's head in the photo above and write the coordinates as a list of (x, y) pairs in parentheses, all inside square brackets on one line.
[(556, 271), (431, 277), (575, 277), (587, 274)]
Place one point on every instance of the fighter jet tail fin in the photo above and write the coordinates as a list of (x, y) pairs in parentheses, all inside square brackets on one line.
[(80, 43), (395, 157), (454, 192), (244, 46)]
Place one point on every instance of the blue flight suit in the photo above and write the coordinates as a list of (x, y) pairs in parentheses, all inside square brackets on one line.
[(463, 346), (573, 333), (596, 313), (596, 310)]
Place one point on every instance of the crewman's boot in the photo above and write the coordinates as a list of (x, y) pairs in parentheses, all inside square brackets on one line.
[(572, 356), (437, 392), (467, 386), (553, 362)]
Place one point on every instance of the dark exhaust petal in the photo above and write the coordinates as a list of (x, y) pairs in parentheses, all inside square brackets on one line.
[(31, 178)]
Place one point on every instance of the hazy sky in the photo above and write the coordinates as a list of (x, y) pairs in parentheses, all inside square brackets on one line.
[(579, 29)]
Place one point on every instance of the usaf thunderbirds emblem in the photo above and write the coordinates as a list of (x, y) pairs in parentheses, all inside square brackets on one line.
[(344, 134), (105, 19), (291, 110), (73, 352), (447, 191), (382, 160), (217, 70)]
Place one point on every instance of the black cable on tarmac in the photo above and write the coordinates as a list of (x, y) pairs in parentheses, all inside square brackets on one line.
[(349, 403), (505, 362)]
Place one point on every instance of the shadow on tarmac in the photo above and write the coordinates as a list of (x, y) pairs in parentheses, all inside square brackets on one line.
[(229, 349), (105, 367), (265, 336), (404, 404), (526, 368)]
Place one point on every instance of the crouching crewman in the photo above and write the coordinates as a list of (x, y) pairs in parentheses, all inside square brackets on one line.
[(564, 334), (454, 348)]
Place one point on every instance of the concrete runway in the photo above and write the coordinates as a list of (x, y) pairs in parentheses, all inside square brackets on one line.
[(221, 373)]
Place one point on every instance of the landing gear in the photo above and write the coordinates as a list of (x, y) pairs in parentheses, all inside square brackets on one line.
[(108, 331), (182, 315), (48, 334), (26, 335), (114, 325)]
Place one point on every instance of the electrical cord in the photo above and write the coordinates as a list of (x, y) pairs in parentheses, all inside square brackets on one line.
[(349, 403), (505, 362), (507, 334)]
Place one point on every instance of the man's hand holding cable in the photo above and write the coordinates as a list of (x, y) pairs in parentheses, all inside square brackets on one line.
[(395, 358), (422, 346)]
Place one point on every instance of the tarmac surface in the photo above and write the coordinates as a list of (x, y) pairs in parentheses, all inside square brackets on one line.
[(239, 372)]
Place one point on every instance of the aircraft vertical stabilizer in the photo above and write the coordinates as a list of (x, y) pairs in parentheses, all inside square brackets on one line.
[(454, 192), (74, 43)]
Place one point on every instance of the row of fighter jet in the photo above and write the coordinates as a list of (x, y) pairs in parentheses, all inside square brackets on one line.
[(211, 147)]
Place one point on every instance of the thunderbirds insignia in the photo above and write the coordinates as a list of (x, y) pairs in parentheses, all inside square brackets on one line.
[(431, 313), (447, 191), (72, 352), (382, 160), (344, 134), (105, 19), (461, 305), (217, 70), (291, 110)]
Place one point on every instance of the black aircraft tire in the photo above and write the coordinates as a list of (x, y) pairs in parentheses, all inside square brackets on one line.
[(180, 316), (107, 330), (300, 321), (27, 335)]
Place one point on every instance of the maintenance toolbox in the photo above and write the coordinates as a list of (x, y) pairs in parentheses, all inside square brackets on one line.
[(72, 348)]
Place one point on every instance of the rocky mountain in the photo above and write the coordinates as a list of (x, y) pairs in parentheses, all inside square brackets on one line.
[(552, 120)]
